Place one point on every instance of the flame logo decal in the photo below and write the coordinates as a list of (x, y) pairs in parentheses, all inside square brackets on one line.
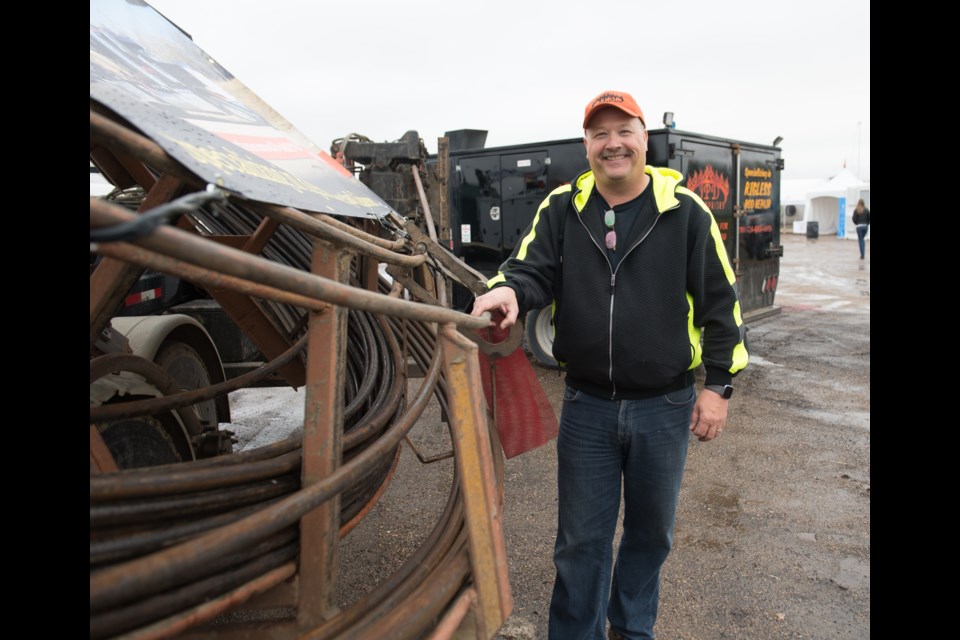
[(712, 186)]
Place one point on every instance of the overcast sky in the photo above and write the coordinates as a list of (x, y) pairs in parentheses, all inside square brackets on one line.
[(524, 70)]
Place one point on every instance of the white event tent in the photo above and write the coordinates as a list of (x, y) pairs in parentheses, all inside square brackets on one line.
[(831, 204)]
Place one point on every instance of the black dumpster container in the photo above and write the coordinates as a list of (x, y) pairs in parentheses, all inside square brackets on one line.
[(813, 229)]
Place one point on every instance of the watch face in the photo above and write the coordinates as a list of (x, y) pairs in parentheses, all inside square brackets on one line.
[(727, 391)]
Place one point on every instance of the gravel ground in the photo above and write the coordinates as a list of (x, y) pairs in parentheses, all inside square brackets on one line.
[(773, 528)]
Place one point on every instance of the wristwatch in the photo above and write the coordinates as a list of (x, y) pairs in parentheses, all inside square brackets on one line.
[(725, 390)]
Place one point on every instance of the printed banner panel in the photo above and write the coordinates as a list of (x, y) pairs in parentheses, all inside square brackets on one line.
[(147, 70)]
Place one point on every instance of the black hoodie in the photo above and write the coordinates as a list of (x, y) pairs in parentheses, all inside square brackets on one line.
[(641, 329)]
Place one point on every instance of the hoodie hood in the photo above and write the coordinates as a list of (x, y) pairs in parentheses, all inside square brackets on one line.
[(665, 182)]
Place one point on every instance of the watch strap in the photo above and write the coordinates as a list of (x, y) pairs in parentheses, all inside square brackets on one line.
[(723, 390)]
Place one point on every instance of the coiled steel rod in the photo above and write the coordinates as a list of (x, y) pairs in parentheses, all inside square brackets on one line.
[(194, 477), (117, 585), (267, 555), (127, 544)]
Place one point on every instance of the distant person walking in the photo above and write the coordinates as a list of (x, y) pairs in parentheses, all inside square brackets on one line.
[(861, 218)]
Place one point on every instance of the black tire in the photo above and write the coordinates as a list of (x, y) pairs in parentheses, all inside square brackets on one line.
[(184, 364), (538, 334), (139, 442)]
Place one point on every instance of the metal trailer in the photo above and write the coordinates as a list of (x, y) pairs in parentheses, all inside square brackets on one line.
[(214, 189), (493, 194)]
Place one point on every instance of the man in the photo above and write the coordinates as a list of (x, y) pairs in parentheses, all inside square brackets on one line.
[(643, 294)]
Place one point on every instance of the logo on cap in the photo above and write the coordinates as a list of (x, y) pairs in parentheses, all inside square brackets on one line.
[(607, 98)]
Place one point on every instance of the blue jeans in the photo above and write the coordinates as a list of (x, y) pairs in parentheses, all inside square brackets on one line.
[(604, 444), (861, 237)]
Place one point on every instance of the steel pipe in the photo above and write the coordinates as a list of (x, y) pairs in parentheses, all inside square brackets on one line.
[(196, 250)]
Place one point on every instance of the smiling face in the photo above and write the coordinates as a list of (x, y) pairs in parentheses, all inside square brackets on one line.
[(617, 150)]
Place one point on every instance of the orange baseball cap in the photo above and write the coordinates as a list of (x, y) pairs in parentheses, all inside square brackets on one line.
[(619, 99)]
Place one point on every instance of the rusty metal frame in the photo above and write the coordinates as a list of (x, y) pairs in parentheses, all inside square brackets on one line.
[(456, 584)]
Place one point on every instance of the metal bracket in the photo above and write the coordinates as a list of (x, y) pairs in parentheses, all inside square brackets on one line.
[(460, 271), (404, 277), (498, 349)]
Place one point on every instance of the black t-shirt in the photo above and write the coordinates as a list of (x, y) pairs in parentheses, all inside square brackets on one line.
[(626, 218)]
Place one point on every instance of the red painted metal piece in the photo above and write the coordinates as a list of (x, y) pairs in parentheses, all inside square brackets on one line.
[(521, 410)]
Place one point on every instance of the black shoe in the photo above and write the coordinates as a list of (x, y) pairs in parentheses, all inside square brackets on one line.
[(613, 635), (861, 257)]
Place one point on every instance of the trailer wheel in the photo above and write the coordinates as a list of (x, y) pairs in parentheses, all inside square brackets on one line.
[(185, 365), (139, 442), (144, 441), (539, 336)]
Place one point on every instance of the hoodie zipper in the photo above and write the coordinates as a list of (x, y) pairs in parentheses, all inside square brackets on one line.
[(613, 281)]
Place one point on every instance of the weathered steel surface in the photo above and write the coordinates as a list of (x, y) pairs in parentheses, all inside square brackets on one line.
[(290, 248)]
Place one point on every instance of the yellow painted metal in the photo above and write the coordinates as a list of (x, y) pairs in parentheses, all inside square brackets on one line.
[(475, 466)]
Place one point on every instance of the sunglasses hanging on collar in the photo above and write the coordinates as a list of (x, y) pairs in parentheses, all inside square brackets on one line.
[(610, 219)]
